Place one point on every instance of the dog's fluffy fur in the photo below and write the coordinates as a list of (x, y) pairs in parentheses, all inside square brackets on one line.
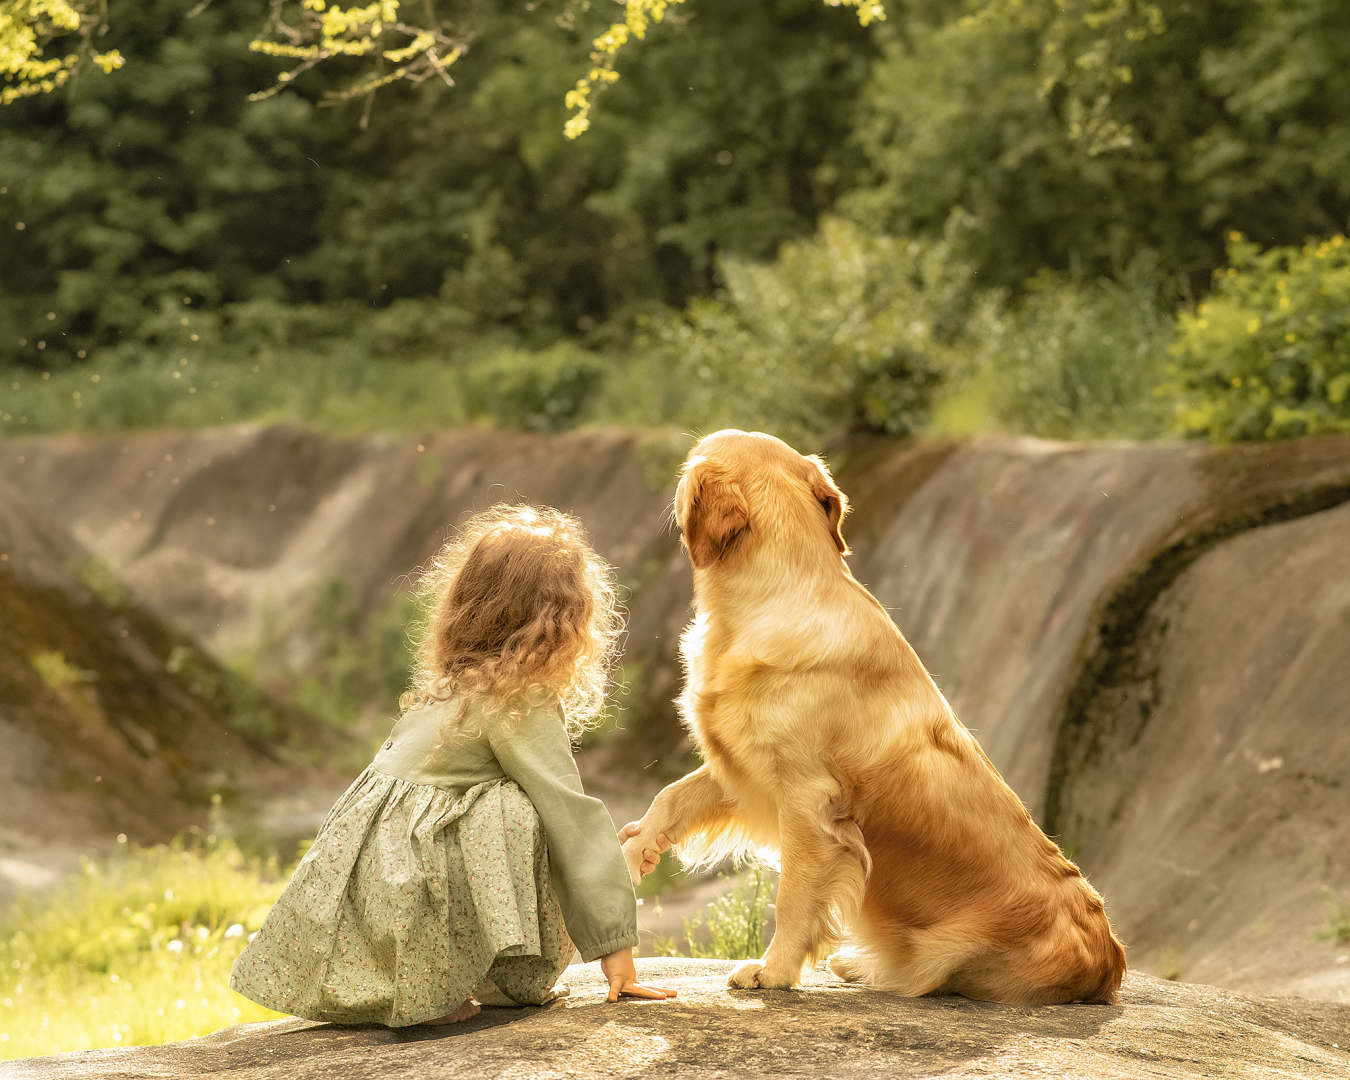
[(826, 740)]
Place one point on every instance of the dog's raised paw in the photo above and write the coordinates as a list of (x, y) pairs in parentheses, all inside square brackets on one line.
[(632, 854)]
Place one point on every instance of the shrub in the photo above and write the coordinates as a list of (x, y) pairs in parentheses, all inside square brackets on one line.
[(845, 331), (1267, 354), (1078, 359), (542, 391)]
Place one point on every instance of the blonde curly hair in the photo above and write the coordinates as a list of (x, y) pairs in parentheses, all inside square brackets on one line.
[(518, 607)]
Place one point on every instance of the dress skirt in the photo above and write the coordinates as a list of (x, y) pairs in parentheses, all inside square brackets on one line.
[(411, 898)]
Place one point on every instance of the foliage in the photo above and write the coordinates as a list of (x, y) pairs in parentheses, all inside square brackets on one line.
[(1061, 173), (56, 671), (846, 331), (99, 577), (536, 391), (27, 27), (1084, 50), (355, 665), (136, 191), (1076, 360), (132, 953), (638, 16), (326, 31), (1238, 116), (1267, 354), (342, 392), (1338, 918), (733, 926)]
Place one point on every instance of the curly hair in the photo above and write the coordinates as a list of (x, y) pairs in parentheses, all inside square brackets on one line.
[(519, 607)]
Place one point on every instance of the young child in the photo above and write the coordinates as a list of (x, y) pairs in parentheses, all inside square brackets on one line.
[(460, 863)]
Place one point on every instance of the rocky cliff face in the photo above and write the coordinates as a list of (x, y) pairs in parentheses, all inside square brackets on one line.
[(1098, 614)]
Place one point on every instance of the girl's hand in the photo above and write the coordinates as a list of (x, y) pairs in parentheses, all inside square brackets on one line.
[(622, 975), (650, 856)]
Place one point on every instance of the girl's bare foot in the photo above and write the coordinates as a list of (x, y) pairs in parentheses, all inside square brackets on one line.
[(466, 1010)]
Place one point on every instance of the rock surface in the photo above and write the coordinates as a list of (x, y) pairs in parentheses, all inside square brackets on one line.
[(110, 721), (827, 1029), (1216, 756)]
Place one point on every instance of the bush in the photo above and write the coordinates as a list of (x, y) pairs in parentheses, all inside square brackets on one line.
[(545, 391), (1080, 359), (135, 953), (1267, 354), (846, 331)]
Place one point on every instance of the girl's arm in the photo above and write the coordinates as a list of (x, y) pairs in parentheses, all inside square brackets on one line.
[(588, 867)]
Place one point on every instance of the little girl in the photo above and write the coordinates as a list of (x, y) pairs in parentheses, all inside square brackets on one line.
[(460, 863)]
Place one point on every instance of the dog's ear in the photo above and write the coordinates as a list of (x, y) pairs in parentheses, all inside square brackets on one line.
[(712, 512), (833, 501)]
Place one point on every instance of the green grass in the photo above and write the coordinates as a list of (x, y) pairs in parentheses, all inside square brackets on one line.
[(732, 927), (1338, 918), (334, 390), (333, 384), (135, 952)]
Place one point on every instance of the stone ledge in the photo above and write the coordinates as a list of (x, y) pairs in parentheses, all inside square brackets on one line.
[(827, 1029)]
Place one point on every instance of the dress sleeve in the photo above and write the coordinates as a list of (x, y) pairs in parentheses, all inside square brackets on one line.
[(585, 860)]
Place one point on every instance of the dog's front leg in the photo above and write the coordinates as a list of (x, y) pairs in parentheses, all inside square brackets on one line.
[(820, 889), (692, 804)]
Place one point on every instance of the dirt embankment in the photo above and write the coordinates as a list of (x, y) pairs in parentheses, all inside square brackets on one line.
[(1039, 581), (231, 533), (111, 721)]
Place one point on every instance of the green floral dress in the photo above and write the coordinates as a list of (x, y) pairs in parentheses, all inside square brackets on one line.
[(447, 868)]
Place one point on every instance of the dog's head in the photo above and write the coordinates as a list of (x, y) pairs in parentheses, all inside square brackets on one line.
[(740, 488)]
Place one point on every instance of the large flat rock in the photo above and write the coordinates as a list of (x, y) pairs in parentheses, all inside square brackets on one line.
[(827, 1029)]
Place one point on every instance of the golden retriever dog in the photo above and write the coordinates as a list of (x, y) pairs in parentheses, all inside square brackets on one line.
[(825, 739)]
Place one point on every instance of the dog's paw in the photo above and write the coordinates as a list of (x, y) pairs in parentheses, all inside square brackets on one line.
[(754, 974), (632, 854), (745, 975)]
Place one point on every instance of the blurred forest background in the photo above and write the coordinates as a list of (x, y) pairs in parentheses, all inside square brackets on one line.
[(1093, 220)]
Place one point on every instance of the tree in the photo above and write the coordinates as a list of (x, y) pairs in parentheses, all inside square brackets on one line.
[(283, 220), (27, 27)]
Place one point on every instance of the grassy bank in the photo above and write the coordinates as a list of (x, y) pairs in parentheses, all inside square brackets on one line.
[(134, 952)]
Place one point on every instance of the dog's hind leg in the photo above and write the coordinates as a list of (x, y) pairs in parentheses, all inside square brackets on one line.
[(847, 965), (916, 962), (820, 889)]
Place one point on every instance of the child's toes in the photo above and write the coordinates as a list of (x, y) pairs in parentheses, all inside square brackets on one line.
[(466, 1009)]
